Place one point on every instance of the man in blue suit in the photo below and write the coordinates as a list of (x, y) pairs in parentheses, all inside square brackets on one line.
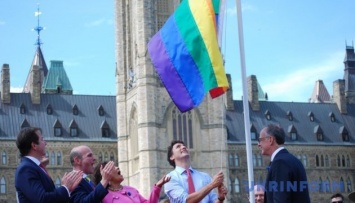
[(83, 159), (32, 182), (286, 180)]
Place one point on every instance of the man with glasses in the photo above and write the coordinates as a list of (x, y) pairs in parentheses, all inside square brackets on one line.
[(337, 198), (286, 180)]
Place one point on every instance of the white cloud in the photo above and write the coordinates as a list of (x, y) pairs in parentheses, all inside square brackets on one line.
[(99, 22), (298, 85), (2, 22), (232, 9), (16, 89)]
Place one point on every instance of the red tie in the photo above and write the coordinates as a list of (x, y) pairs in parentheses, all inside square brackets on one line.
[(44, 168), (190, 183)]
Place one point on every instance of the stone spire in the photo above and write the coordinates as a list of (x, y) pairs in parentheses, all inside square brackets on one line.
[(320, 93)]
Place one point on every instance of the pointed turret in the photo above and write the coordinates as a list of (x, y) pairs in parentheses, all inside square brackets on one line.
[(57, 81), (320, 93)]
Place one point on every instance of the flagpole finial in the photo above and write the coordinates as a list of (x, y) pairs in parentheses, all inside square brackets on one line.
[(38, 28)]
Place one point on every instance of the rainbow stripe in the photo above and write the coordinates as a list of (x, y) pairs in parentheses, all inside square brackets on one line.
[(186, 55)]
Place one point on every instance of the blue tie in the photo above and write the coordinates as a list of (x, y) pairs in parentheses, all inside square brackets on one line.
[(87, 178)]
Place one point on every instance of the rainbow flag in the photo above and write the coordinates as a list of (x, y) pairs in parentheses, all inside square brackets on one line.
[(186, 55)]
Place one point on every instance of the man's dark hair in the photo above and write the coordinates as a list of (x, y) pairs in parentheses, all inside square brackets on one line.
[(337, 195), (25, 138), (277, 132), (170, 151)]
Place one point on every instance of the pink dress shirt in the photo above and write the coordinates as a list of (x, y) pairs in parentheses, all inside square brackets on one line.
[(129, 194)]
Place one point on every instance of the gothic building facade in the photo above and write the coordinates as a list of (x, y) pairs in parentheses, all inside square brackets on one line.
[(135, 127), (320, 133)]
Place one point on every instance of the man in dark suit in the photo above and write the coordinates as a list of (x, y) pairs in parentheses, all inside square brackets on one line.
[(286, 180), (32, 182), (83, 159)]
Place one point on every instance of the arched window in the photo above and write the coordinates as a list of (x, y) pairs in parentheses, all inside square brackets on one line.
[(3, 185), (236, 160), (348, 185), (53, 158), (338, 160), (321, 160), (317, 160), (4, 158), (260, 160), (106, 156), (182, 127), (347, 161), (231, 159), (57, 182), (342, 183), (112, 157), (327, 185), (59, 158), (343, 160), (320, 184), (326, 161), (18, 157), (100, 157), (236, 185), (305, 161), (254, 160)]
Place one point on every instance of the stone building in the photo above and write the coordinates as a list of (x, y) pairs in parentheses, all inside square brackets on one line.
[(147, 119), (66, 121), (135, 127), (321, 134)]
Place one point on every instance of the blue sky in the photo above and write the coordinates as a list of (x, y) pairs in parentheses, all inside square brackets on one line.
[(288, 44)]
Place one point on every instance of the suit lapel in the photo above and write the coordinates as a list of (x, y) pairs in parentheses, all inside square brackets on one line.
[(47, 181)]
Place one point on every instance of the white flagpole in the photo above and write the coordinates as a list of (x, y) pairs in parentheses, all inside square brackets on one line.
[(245, 106)]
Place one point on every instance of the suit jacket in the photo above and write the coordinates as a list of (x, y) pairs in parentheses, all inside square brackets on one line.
[(84, 193), (34, 185), (286, 180)]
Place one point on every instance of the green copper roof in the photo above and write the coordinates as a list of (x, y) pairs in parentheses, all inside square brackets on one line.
[(57, 80), (261, 93)]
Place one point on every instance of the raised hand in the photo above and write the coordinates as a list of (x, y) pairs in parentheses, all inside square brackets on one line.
[(72, 179), (107, 173), (162, 181), (217, 179)]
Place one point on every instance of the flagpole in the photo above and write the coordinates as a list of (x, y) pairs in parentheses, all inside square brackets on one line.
[(245, 106)]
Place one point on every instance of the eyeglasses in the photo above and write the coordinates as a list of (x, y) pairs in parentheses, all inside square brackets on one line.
[(260, 139)]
